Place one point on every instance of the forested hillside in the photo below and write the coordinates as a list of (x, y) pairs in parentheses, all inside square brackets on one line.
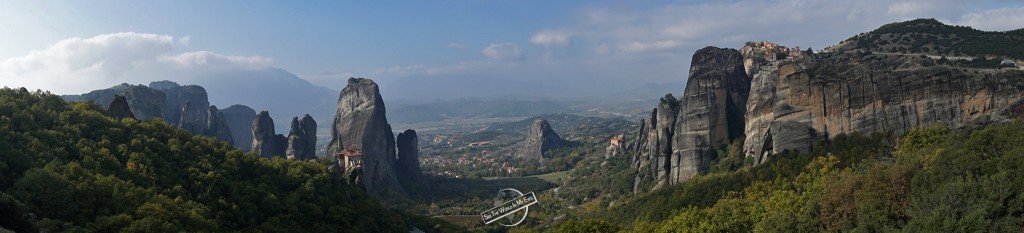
[(66, 167), (931, 180)]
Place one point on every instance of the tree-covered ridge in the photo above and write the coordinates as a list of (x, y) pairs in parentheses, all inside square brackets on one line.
[(65, 167), (931, 180), (929, 36)]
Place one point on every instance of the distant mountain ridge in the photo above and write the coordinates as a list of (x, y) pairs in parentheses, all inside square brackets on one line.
[(276, 90)]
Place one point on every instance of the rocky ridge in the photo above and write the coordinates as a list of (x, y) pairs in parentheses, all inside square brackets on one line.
[(185, 106), (797, 102), (774, 105)]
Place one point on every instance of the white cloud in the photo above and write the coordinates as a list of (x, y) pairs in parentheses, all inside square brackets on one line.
[(77, 65), (1002, 19), (619, 45), (398, 70), (637, 46), (550, 38), (503, 52), (185, 40), (210, 59)]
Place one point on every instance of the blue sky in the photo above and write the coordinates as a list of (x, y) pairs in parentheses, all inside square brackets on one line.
[(596, 45)]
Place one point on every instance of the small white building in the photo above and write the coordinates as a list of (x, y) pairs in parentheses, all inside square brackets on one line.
[(1008, 62)]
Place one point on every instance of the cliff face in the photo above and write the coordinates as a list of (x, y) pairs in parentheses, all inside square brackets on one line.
[(796, 102), (789, 104), (539, 139), (360, 123), (683, 134), (239, 119), (302, 139)]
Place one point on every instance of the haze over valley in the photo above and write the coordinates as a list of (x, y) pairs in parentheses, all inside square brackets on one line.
[(512, 116)]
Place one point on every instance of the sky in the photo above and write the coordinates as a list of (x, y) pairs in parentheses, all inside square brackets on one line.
[(594, 47)]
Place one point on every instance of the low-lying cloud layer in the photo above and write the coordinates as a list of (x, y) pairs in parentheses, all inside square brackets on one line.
[(77, 65)]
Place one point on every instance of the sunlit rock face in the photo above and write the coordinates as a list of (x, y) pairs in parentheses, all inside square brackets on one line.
[(360, 123), (794, 103)]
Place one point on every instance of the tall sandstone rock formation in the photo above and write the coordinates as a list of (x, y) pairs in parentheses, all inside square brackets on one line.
[(302, 139), (409, 157), (360, 123), (239, 119), (796, 102), (682, 134), (539, 139), (217, 126), (266, 142), (711, 111)]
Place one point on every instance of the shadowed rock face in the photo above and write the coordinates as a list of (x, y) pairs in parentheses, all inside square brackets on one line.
[(360, 123), (239, 119), (539, 139), (217, 126), (408, 156), (118, 108), (302, 139), (683, 133), (266, 142), (794, 103), (186, 105)]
